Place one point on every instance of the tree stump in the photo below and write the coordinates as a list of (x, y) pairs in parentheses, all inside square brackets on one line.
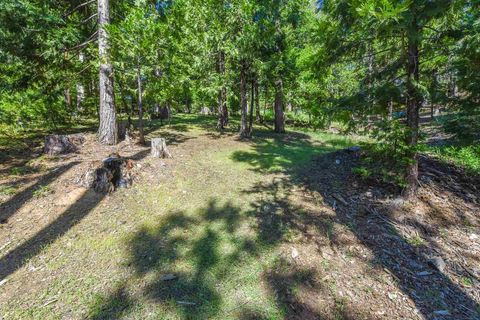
[(159, 148), (122, 129), (60, 144), (112, 173), (205, 111)]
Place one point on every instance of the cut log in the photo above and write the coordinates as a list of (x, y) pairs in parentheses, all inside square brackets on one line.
[(159, 148), (61, 144), (112, 173)]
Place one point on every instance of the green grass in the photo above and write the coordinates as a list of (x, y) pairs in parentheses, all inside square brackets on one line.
[(416, 241), (7, 190), (464, 156), (42, 191), (206, 223)]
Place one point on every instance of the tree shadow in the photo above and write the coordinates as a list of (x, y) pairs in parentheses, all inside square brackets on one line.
[(179, 262), (273, 152), (18, 256), (323, 177), (187, 246), (11, 206)]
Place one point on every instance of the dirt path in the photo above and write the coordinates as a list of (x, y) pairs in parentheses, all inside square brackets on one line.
[(274, 228)]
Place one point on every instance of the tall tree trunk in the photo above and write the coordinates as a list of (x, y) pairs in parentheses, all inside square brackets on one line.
[(128, 110), (258, 117), (279, 116), (107, 131), (68, 98), (390, 109), (66, 91), (140, 106), (80, 89), (414, 103), (244, 131), (265, 107), (222, 93), (252, 103)]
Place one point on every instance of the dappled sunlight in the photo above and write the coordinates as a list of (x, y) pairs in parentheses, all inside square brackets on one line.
[(283, 153), (322, 180), (197, 250), (275, 227)]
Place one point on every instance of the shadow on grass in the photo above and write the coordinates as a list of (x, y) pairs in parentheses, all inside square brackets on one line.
[(327, 174), (207, 247), (18, 256), (11, 206), (188, 246), (273, 152)]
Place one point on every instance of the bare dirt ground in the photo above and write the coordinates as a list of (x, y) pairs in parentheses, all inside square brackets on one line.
[(339, 247)]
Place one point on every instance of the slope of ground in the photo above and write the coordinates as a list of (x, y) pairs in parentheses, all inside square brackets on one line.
[(273, 228)]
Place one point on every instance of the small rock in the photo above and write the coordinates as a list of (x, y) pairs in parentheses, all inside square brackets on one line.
[(392, 296), (168, 277), (473, 236), (438, 262), (295, 253)]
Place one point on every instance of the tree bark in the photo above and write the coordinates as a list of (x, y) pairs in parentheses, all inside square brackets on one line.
[(252, 103), (244, 130), (265, 107), (68, 98), (222, 94), (140, 107), (258, 117), (107, 131), (159, 148), (62, 144), (279, 115), (414, 103), (112, 173), (390, 109), (80, 89)]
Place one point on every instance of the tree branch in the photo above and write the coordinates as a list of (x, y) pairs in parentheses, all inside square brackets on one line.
[(92, 38), (89, 18), (78, 7)]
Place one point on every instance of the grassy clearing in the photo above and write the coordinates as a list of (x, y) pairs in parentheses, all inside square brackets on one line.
[(199, 223)]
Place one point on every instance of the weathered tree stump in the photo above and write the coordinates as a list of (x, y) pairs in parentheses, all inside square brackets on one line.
[(61, 144), (123, 127), (159, 148), (112, 173), (205, 111)]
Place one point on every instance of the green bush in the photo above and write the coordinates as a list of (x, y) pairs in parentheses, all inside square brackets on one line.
[(467, 157), (388, 157)]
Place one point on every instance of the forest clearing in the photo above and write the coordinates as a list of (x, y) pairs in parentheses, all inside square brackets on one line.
[(239, 159)]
